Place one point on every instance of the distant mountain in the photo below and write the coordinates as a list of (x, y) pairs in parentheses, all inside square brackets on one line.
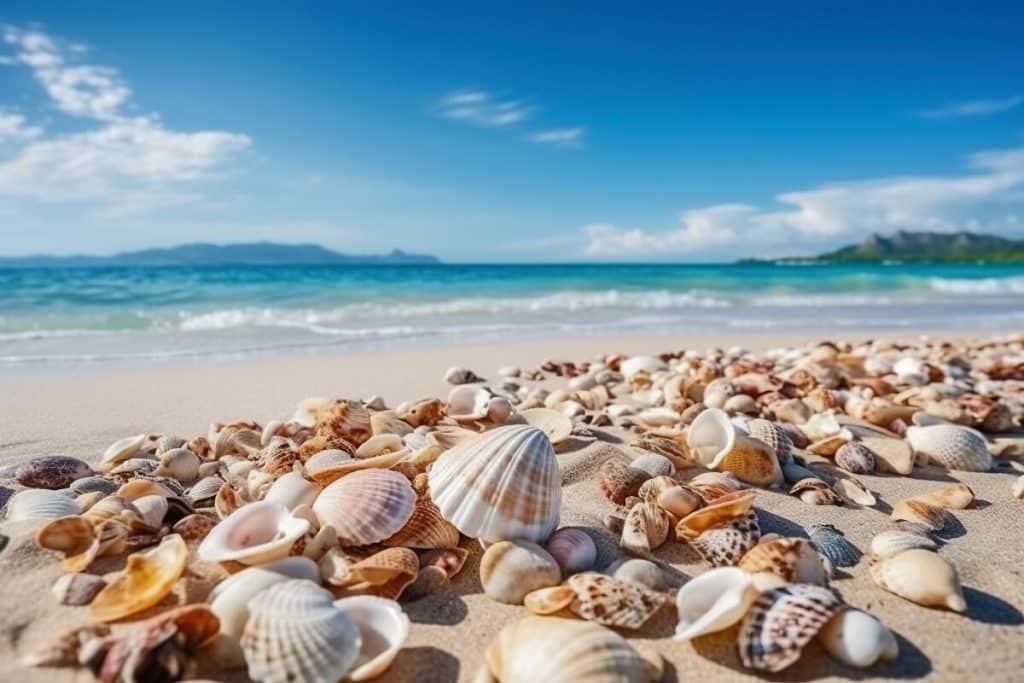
[(922, 247), (203, 254)]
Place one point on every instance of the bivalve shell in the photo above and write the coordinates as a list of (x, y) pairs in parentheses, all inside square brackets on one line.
[(894, 542), (952, 446), (366, 506), (146, 579), (781, 622), (383, 629), (230, 598), (40, 504), (511, 569), (254, 534), (921, 576), (51, 472)]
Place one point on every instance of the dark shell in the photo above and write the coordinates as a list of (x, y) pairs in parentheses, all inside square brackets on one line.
[(94, 483), (52, 472), (830, 542)]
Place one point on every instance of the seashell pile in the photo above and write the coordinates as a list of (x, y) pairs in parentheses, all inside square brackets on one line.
[(316, 531)]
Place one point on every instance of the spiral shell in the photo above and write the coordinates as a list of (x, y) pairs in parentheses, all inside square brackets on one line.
[(952, 446), (920, 576), (781, 622), (367, 506), (774, 435), (502, 484), (295, 633)]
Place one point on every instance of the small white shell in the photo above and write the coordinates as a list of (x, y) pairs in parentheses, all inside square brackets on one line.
[(230, 598), (292, 490), (40, 504), (327, 458), (637, 364), (952, 446), (383, 627), (295, 633), (122, 449), (856, 638), (253, 534), (713, 601)]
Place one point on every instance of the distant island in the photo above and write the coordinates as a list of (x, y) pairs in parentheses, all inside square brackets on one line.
[(203, 254), (919, 247)]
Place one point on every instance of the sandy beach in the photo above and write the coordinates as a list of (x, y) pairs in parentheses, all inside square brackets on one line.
[(79, 413)]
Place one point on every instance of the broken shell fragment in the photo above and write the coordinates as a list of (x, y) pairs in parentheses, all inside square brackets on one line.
[(146, 579), (646, 528), (951, 497)]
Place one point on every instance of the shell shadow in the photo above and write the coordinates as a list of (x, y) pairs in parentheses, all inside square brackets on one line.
[(426, 663), (932, 473), (771, 523), (444, 609), (987, 608), (5, 495), (953, 528)]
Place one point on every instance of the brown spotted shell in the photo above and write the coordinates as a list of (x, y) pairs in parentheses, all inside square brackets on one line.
[(344, 419), (724, 545), (613, 602), (619, 481), (794, 560), (855, 457), (781, 622)]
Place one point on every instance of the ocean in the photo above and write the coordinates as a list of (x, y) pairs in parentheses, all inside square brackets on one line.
[(59, 316)]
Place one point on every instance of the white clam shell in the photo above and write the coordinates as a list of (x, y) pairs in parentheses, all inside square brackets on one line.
[(40, 504), (713, 601), (292, 490), (856, 638), (122, 449), (921, 576), (153, 509), (894, 542), (367, 506), (952, 446), (383, 627), (253, 534), (502, 484), (229, 599), (327, 458), (295, 633), (637, 364)]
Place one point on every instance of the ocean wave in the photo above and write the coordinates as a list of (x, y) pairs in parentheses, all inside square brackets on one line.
[(989, 285)]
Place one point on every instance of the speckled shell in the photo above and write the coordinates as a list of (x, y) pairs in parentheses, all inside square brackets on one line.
[(40, 504), (722, 510), (565, 650), (920, 576), (146, 579), (502, 484), (713, 601), (774, 435), (831, 543), (344, 419), (613, 602), (511, 569), (726, 544), (794, 560), (781, 622), (295, 633), (51, 472), (573, 550), (367, 506), (855, 457), (619, 481), (253, 534), (952, 446)]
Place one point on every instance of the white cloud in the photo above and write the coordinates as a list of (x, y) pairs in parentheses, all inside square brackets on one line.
[(987, 197), (974, 108), (559, 137), (482, 109), (128, 163), (16, 127)]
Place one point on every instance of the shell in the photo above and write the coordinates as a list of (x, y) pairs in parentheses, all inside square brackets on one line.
[(295, 633), (781, 622), (343, 419), (831, 543), (564, 650), (146, 579), (92, 484), (511, 569), (637, 570), (856, 638), (179, 463), (326, 459), (556, 425), (774, 435), (426, 528), (889, 543), (952, 446), (1017, 488), (573, 549), (653, 464), (367, 506), (950, 497), (855, 457), (602, 599), (253, 534), (678, 500), (894, 456), (713, 601), (920, 576), (457, 375), (726, 544), (814, 491), (194, 527), (852, 491), (641, 364), (230, 598), (451, 560), (911, 510), (204, 490), (77, 589), (619, 481), (646, 528), (794, 560), (716, 443), (40, 504), (122, 450), (292, 490), (502, 484), (383, 629), (722, 510), (64, 649), (51, 472), (153, 509), (81, 540), (385, 574)]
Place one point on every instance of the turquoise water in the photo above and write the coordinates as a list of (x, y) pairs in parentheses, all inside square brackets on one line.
[(103, 314)]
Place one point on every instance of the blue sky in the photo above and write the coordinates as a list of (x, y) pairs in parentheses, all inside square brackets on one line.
[(564, 131)]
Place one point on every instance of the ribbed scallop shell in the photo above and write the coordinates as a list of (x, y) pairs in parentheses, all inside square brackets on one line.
[(831, 543), (781, 622), (773, 435), (889, 543), (295, 633), (40, 504), (952, 446), (426, 528), (503, 484), (366, 506), (344, 419), (205, 490), (565, 650)]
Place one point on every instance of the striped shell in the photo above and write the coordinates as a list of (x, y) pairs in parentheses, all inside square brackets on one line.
[(889, 543), (366, 506), (40, 504), (952, 446), (502, 484), (781, 622), (295, 633), (773, 435), (726, 544), (855, 457), (426, 528), (831, 543)]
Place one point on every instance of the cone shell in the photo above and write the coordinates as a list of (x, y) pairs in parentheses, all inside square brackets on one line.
[(713, 601), (855, 457), (856, 638), (613, 602), (950, 497), (781, 622), (367, 506), (147, 578), (295, 633), (952, 446), (573, 549), (383, 629), (40, 504), (253, 534), (920, 576), (646, 528), (502, 484), (894, 542), (794, 560), (511, 569), (426, 528), (726, 544), (564, 650)]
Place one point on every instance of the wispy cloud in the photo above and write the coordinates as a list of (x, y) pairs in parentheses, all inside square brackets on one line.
[(973, 108), (482, 109), (559, 137), (128, 163), (16, 127), (988, 196)]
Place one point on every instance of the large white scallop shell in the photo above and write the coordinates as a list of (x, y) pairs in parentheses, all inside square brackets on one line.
[(952, 446), (40, 504), (383, 627), (503, 484), (253, 534), (366, 506), (230, 598), (713, 601), (295, 633)]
